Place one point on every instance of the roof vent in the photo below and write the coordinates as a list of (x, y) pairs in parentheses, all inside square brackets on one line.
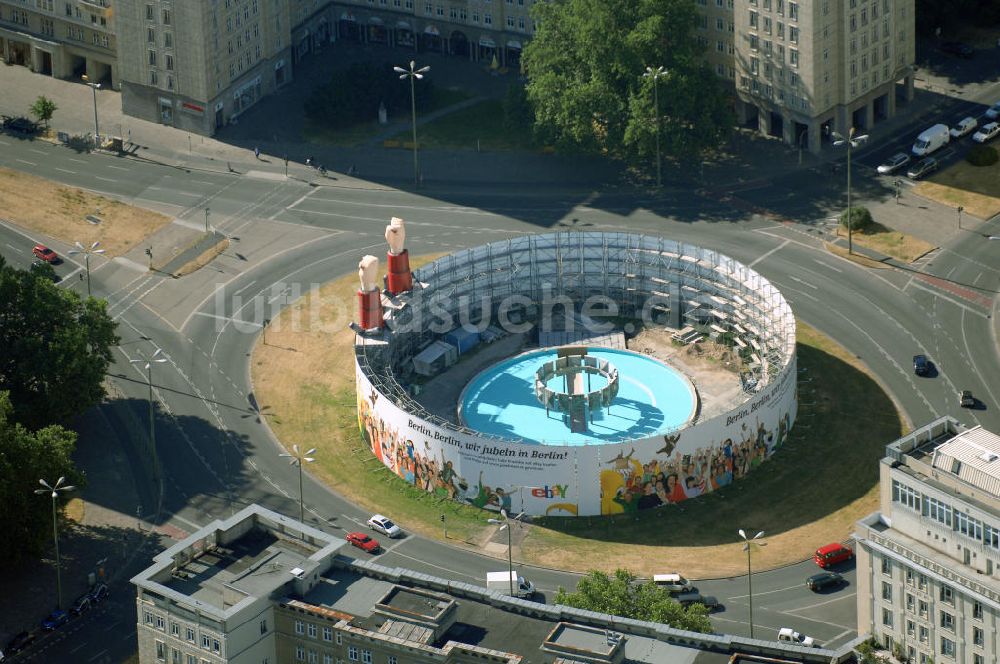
[(988, 457), (298, 572)]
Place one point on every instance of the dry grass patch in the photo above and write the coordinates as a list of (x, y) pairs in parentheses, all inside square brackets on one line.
[(75, 510), (975, 188), (877, 237), (204, 259), (863, 261), (60, 212)]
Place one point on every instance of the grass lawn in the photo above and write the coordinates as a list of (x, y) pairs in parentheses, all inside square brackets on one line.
[(60, 212), (361, 133), (810, 493), (976, 188), (480, 125), (889, 242)]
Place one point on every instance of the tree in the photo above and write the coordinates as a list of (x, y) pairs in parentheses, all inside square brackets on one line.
[(620, 595), (517, 115), (25, 458), (860, 218), (585, 66), (43, 109), (56, 348)]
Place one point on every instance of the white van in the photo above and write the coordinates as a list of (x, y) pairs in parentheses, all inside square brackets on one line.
[(673, 583), (931, 139)]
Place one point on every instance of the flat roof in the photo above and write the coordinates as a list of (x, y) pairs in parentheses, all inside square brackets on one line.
[(974, 457)]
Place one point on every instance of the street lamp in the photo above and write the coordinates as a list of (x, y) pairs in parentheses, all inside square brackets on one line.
[(297, 458), (54, 491), (207, 210), (746, 547), (504, 522), (153, 359), (86, 256), (852, 141), (656, 75), (960, 211), (94, 87), (413, 73)]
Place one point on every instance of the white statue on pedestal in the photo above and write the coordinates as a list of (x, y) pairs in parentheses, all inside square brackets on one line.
[(368, 274), (395, 235)]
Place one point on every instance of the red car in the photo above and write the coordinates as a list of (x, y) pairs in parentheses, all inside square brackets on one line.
[(363, 542), (833, 554), (44, 253)]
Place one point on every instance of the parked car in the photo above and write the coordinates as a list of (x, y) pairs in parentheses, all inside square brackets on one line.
[(81, 604), (922, 168), (385, 526), (673, 583), (44, 270), (966, 400), (824, 580), (55, 620), (987, 133), (19, 125), (99, 593), (20, 642), (832, 554), (363, 542), (790, 635), (964, 126), (894, 163), (711, 603), (921, 366), (961, 49), (44, 253), (993, 112)]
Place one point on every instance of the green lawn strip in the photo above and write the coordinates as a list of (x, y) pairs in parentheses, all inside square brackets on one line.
[(478, 126), (884, 240), (844, 422)]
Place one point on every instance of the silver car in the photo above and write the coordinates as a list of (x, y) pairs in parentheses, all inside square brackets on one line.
[(894, 163), (922, 168)]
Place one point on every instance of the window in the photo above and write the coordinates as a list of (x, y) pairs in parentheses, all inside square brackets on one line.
[(216, 646), (793, 57), (175, 629), (977, 611), (340, 639), (328, 658), (391, 660), (166, 17), (887, 617), (753, 19), (161, 651), (911, 628), (151, 35), (311, 630), (149, 12), (991, 537), (901, 493), (947, 621), (263, 626), (161, 624), (754, 43), (887, 592), (300, 627), (921, 582), (767, 25), (922, 634), (977, 659), (754, 65), (793, 35), (300, 653), (175, 656), (168, 39), (352, 653), (170, 62), (948, 595), (937, 510), (366, 657), (977, 636), (206, 641), (189, 633), (312, 657), (967, 525), (947, 647), (191, 659), (887, 566), (152, 61), (909, 602), (793, 11), (327, 633)]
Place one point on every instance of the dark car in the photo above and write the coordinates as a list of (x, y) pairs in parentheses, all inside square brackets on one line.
[(98, 594), (44, 270), (55, 620), (363, 542), (20, 642), (81, 604), (710, 602), (922, 168), (966, 400), (960, 49), (921, 366), (824, 580)]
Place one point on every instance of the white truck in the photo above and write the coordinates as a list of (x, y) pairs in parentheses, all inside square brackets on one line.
[(502, 581), (931, 139)]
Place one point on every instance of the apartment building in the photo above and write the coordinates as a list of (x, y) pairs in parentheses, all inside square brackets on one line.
[(802, 70), (61, 38), (928, 562)]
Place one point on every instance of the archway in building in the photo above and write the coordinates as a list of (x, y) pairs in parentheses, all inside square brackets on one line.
[(430, 39), (777, 128), (377, 34), (488, 50), (513, 54), (459, 43), (404, 35), (347, 28)]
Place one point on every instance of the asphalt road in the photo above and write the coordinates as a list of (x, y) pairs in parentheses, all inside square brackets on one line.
[(217, 455)]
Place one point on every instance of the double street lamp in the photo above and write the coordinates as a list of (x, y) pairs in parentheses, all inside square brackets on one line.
[(94, 87), (55, 491), (852, 141), (297, 458), (504, 523), (86, 256), (748, 543), (413, 74), (148, 366), (656, 75)]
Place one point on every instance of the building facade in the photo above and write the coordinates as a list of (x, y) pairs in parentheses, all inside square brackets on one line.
[(928, 561), (802, 70)]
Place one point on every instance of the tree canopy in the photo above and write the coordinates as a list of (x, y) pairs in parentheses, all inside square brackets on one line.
[(56, 348), (25, 458), (620, 595), (585, 65), (43, 109)]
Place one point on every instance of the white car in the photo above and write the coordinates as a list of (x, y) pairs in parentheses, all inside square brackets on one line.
[(964, 126), (987, 133), (791, 636), (894, 163), (385, 526), (993, 112)]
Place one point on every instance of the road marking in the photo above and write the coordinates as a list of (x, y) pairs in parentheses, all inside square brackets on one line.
[(119, 168), (829, 267), (12, 247), (765, 255), (29, 163), (302, 198), (82, 645), (100, 654), (937, 293), (79, 161), (228, 319), (804, 283), (64, 170), (105, 179), (185, 193), (194, 525), (36, 151), (244, 288)]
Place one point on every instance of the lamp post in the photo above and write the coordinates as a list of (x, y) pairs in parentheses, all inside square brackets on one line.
[(86, 256), (413, 74), (852, 141), (747, 543), (148, 366), (207, 210), (297, 458), (94, 88), (505, 523), (897, 184), (54, 491), (960, 211), (656, 75)]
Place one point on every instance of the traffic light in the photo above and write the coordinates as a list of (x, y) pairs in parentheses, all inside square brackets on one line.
[(442, 518)]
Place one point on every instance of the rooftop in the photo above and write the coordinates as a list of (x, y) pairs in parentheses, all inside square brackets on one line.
[(974, 457)]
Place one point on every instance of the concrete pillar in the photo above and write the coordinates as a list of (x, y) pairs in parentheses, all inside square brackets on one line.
[(891, 102), (788, 130), (741, 113), (36, 59), (815, 138), (869, 115), (764, 121), (842, 120), (908, 83)]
